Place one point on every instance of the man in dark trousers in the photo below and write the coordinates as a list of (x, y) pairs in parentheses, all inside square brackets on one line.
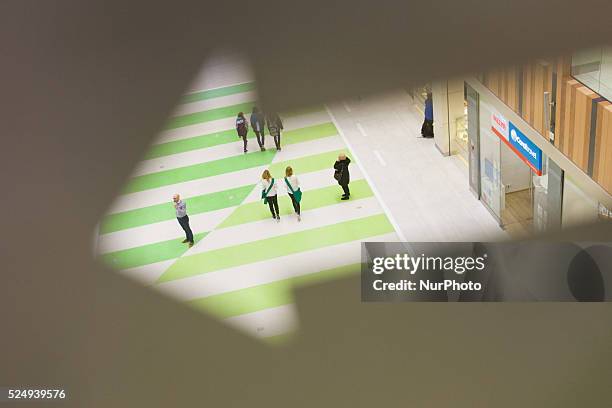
[(181, 215), (427, 128), (341, 174), (275, 125), (258, 124)]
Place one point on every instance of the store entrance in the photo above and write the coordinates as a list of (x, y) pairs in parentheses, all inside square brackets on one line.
[(517, 194)]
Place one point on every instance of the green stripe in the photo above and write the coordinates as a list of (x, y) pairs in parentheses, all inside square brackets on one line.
[(261, 297), (229, 136), (199, 171), (282, 245), (307, 164), (216, 93), (208, 115), (164, 212), (302, 165), (311, 200), (148, 254)]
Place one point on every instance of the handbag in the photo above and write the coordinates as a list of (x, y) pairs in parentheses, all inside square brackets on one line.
[(264, 193), (297, 194)]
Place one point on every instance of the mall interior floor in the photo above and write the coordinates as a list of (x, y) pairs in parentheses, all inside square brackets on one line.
[(244, 265), (426, 193)]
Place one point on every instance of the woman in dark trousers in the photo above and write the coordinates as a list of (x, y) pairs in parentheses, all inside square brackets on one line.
[(293, 189), (427, 128), (269, 194), (275, 125), (258, 124), (342, 176), (242, 127)]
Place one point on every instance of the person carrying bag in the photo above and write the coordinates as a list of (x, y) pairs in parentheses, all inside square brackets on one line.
[(294, 191), (269, 194)]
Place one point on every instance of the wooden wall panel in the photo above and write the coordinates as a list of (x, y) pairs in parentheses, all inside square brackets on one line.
[(603, 160), (573, 112)]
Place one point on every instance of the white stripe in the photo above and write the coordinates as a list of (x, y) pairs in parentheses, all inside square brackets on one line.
[(148, 274), (215, 152), (372, 186), (264, 272), (192, 157), (269, 228), (199, 129), (361, 130), (307, 119), (380, 159), (160, 231), (223, 181), (221, 70), (214, 103), (266, 323), (192, 90), (346, 107)]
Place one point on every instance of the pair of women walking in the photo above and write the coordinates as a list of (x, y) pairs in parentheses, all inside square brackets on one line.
[(270, 192), (258, 124)]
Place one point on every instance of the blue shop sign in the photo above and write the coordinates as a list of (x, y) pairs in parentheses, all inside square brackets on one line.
[(525, 148)]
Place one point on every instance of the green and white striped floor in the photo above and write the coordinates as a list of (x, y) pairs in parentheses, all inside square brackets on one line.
[(244, 265)]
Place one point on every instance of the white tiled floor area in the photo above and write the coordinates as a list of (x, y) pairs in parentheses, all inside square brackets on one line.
[(426, 193)]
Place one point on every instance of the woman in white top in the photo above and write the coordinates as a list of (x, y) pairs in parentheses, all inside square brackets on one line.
[(269, 193), (293, 189)]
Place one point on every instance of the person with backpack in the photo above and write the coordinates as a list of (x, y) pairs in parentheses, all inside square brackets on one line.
[(293, 189), (242, 127), (275, 125), (427, 128), (258, 124), (341, 174), (269, 194)]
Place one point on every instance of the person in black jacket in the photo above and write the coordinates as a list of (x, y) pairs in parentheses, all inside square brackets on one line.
[(341, 174), (275, 125), (242, 128), (258, 124)]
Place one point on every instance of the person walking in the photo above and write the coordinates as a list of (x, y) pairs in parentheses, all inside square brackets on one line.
[(242, 127), (275, 125), (269, 194), (258, 124), (427, 128), (183, 219), (341, 174), (293, 189)]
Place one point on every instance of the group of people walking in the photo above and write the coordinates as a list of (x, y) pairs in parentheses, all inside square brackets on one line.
[(258, 121), (269, 194)]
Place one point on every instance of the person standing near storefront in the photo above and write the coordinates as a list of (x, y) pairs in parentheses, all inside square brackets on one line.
[(258, 124), (294, 191), (342, 176), (427, 128), (275, 125), (242, 127), (183, 219), (269, 194)]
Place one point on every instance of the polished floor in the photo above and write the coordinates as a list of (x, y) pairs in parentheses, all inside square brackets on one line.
[(244, 265)]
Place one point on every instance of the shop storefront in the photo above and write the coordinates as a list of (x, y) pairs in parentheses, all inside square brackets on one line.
[(520, 186)]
